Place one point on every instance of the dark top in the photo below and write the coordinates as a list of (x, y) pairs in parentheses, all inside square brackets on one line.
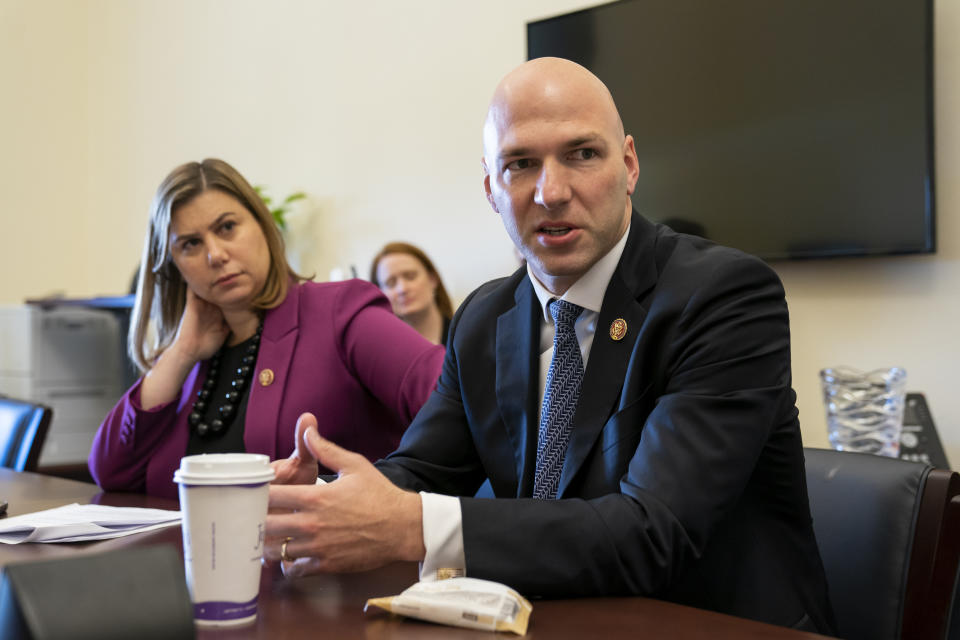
[(231, 440)]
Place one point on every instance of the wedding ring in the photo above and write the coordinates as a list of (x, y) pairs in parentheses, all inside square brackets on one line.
[(283, 551)]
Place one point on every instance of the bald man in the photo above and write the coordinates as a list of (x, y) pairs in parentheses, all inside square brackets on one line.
[(680, 472)]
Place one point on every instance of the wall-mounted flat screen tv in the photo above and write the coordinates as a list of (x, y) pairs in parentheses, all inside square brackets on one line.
[(785, 128)]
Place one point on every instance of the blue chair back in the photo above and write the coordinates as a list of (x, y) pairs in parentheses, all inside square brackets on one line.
[(23, 429)]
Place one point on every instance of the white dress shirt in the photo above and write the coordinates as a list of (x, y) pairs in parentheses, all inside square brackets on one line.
[(442, 520)]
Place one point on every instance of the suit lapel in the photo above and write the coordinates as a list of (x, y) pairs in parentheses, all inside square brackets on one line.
[(516, 383), (609, 358), (280, 330)]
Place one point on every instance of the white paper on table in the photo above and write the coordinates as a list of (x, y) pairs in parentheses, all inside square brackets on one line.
[(83, 522)]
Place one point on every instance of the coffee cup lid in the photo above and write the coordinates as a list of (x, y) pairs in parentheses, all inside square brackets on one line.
[(224, 468)]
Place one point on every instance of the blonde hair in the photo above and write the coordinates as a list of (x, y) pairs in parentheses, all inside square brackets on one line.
[(161, 290)]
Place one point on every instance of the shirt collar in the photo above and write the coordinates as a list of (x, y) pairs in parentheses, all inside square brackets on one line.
[(589, 289)]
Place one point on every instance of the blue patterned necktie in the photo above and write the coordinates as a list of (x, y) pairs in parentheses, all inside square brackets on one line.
[(559, 400)]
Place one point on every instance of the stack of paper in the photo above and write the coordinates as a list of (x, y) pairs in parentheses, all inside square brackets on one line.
[(77, 523)]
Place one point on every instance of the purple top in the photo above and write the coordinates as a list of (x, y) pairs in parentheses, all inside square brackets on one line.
[(335, 349)]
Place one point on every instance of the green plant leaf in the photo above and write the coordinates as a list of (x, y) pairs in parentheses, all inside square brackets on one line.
[(279, 212)]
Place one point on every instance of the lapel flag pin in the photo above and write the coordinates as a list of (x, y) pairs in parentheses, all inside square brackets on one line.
[(618, 329), (266, 377)]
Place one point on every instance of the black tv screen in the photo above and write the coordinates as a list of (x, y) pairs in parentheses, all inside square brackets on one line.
[(785, 128)]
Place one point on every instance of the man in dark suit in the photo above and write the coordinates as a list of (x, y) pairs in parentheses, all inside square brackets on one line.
[(640, 435)]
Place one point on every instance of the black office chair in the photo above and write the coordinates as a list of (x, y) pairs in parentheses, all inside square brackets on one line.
[(23, 428), (886, 532), (954, 623)]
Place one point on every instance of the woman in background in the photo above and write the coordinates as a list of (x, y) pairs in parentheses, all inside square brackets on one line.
[(244, 345), (411, 282)]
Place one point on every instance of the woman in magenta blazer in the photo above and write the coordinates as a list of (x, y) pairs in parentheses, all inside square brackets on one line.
[(243, 346)]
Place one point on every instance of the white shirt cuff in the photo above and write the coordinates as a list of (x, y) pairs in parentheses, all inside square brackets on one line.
[(442, 537)]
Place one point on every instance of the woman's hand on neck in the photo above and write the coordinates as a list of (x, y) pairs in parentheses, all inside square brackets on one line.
[(202, 330)]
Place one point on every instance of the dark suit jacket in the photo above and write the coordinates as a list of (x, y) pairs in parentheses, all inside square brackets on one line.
[(684, 476)]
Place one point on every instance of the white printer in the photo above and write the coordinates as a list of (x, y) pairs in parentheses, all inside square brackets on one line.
[(67, 356)]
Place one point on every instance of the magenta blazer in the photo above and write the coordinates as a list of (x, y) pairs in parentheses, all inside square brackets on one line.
[(335, 349)]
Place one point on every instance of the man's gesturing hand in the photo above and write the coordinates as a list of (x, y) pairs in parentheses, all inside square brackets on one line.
[(360, 521), (301, 466)]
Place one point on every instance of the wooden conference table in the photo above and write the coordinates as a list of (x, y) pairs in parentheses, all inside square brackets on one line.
[(331, 606)]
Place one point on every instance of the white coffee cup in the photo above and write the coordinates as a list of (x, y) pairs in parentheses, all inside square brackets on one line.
[(223, 497)]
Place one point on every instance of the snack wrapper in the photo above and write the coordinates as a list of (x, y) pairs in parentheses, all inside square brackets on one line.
[(462, 602)]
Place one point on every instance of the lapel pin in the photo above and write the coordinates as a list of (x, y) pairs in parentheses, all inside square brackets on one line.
[(266, 377), (618, 329)]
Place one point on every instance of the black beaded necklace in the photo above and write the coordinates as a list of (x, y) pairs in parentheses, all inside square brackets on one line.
[(227, 411)]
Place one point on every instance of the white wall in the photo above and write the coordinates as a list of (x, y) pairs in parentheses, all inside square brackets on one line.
[(373, 108)]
